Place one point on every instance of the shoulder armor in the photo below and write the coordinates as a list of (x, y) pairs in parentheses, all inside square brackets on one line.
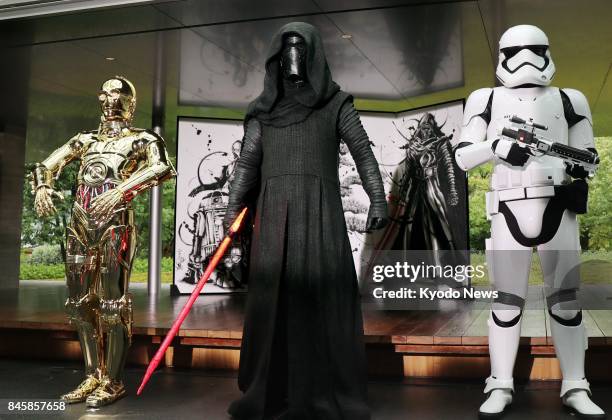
[(148, 135), (478, 104), (575, 106), (82, 139), (145, 138)]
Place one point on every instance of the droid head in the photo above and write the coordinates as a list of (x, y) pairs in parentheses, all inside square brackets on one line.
[(117, 98), (233, 257), (524, 58), (293, 59)]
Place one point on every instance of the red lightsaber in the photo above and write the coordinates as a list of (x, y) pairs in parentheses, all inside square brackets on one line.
[(194, 295)]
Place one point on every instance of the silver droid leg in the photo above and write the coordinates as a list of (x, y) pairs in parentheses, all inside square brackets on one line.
[(509, 264), (560, 263)]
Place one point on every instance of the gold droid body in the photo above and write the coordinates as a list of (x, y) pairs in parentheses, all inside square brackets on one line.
[(117, 161)]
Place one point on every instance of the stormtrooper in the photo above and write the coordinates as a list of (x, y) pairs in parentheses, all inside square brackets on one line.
[(532, 203)]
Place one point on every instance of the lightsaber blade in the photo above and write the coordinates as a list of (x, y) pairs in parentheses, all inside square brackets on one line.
[(234, 228)]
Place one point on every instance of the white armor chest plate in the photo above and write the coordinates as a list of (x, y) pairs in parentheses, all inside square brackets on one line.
[(105, 161), (545, 107)]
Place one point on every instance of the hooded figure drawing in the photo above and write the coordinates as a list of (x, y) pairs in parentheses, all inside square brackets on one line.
[(302, 353)]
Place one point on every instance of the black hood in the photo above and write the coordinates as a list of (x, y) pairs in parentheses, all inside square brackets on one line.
[(320, 87)]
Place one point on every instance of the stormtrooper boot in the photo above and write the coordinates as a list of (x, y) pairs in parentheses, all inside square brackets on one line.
[(570, 339), (503, 345)]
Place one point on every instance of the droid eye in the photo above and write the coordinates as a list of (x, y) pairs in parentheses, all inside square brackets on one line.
[(102, 97)]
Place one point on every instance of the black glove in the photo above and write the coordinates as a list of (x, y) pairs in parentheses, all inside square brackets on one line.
[(377, 216), (576, 171), (230, 215), (517, 156)]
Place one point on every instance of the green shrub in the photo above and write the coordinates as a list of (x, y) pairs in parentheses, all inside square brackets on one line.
[(29, 271), (32, 271), (46, 254)]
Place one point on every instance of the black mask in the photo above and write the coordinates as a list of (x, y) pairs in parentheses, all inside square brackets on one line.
[(293, 59)]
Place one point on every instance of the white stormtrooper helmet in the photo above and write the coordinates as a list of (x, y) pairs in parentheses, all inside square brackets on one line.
[(524, 57)]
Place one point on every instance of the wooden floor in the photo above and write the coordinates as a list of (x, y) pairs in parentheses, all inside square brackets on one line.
[(451, 341)]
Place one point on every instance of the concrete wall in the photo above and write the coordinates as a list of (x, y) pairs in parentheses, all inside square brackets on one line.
[(14, 73)]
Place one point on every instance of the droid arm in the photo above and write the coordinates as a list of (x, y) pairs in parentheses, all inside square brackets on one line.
[(246, 171), (46, 172), (155, 169), (473, 148), (358, 142)]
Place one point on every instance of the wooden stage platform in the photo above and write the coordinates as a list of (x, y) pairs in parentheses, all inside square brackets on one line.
[(448, 343)]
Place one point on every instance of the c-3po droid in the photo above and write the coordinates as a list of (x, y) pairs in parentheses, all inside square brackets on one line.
[(117, 161)]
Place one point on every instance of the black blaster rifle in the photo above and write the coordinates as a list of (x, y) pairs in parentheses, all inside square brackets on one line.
[(538, 145)]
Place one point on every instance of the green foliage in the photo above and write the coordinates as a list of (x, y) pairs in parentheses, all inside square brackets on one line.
[(596, 225), (30, 271), (46, 254), (36, 231), (141, 212)]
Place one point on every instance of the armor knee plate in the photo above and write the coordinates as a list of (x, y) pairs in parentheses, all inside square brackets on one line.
[(83, 309), (118, 311)]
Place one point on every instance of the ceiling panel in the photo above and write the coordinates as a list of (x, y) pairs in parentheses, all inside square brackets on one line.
[(197, 12), (438, 51), (340, 5), (418, 49), (105, 22), (227, 68)]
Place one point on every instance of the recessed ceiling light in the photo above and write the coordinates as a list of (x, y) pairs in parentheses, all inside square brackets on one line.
[(110, 58), (347, 36)]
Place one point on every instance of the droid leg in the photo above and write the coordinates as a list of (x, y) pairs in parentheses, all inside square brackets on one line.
[(509, 264), (115, 308), (561, 269), (194, 266), (82, 307)]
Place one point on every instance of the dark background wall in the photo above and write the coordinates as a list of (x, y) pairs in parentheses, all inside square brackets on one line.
[(15, 63)]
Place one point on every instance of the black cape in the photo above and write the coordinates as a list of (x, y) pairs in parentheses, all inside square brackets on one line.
[(302, 348)]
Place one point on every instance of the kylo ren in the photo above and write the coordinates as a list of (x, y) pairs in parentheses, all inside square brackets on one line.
[(302, 353)]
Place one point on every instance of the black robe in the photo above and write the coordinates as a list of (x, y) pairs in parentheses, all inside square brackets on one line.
[(302, 348)]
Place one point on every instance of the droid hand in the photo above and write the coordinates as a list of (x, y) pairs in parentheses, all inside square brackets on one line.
[(43, 201), (104, 204), (510, 152), (377, 217)]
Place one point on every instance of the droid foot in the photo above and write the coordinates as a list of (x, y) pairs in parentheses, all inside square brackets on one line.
[(81, 392), (107, 393)]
